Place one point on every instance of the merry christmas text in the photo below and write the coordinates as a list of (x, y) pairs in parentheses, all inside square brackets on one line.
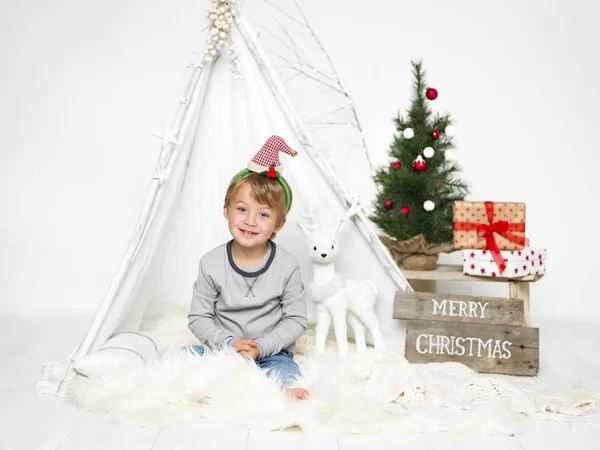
[(459, 308), (459, 346)]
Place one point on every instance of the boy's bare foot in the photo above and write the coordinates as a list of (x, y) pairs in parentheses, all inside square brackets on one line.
[(296, 394)]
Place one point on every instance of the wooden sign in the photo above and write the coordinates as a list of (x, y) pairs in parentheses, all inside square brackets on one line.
[(501, 349), (458, 308)]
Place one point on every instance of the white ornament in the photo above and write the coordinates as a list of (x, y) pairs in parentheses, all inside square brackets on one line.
[(449, 131), (221, 14), (408, 133), (428, 205), (428, 152)]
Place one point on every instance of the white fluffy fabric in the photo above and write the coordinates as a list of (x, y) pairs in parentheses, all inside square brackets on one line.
[(372, 392)]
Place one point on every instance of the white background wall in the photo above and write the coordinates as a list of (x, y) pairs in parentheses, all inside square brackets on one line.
[(84, 85)]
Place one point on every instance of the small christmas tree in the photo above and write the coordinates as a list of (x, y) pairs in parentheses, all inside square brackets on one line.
[(417, 189)]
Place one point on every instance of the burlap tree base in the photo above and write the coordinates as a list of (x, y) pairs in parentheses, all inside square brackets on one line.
[(415, 253)]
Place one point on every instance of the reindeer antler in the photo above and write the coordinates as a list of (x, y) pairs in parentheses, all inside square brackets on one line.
[(354, 208), (310, 223)]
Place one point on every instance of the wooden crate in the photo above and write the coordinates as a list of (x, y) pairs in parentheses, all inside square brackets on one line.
[(484, 333), (458, 308), (504, 349), (517, 287)]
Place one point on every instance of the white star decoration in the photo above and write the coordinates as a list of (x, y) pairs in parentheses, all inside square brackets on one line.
[(169, 135), (183, 100), (160, 175)]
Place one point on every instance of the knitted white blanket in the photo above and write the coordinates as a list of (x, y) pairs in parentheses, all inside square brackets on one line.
[(372, 392)]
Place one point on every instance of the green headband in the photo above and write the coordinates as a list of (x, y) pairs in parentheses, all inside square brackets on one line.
[(279, 178)]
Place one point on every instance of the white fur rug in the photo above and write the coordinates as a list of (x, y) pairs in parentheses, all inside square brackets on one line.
[(372, 392)]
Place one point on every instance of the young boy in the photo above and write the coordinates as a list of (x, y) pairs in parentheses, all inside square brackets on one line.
[(249, 295)]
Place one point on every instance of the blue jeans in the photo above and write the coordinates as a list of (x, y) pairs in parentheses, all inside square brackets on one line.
[(282, 364)]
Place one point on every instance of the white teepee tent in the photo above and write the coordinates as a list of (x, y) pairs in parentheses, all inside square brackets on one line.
[(220, 124)]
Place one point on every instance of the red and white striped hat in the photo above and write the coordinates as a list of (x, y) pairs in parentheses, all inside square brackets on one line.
[(268, 156)]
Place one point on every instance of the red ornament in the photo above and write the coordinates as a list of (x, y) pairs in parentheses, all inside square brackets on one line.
[(396, 164), (435, 134), (272, 173), (387, 204), (404, 210), (419, 164), (431, 93)]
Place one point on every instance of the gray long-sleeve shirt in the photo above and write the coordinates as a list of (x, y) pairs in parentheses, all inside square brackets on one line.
[(267, 304)]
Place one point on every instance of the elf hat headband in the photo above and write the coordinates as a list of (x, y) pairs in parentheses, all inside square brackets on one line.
[(266, 162)]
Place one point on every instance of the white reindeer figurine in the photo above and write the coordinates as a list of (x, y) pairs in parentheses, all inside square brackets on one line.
[(336, 297)]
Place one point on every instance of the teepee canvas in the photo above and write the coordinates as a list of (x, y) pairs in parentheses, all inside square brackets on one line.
[(221, 122)]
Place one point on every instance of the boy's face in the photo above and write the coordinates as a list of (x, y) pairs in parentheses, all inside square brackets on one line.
[(250, 224)]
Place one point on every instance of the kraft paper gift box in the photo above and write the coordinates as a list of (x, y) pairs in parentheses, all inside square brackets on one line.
[(516, 263), (488, 225)]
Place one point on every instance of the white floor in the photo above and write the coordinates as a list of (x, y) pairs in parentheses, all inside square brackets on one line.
[(569, 358)]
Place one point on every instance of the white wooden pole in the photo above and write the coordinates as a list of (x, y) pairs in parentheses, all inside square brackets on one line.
[(360, 220)]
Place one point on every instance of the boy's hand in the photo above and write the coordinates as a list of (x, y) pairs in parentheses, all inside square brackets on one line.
[(239, 343), (246, 347), (252, 352)]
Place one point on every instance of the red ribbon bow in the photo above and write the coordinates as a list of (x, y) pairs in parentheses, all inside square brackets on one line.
[(489, 230)]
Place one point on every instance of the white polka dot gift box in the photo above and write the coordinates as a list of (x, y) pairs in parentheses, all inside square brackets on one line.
[(517, 263)]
